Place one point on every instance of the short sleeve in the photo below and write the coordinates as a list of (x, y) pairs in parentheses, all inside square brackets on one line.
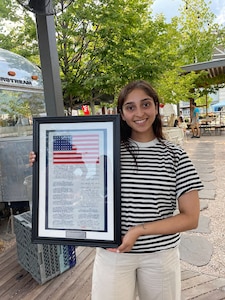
[(187, 178)]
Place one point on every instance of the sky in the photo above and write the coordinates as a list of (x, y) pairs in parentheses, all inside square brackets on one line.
[(170, 8)]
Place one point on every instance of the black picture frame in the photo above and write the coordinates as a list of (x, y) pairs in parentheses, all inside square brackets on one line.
[(76, 181)]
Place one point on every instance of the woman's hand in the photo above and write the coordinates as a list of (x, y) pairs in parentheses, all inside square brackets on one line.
[(32, 158), (186, 219), (128, 240)]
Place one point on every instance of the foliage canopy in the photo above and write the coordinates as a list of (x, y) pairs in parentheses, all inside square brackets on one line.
[(104, 44)]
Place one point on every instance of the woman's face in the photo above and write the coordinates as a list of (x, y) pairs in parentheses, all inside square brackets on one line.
[(139, 112)]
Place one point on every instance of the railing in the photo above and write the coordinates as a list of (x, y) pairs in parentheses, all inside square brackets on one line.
[(14, 131)]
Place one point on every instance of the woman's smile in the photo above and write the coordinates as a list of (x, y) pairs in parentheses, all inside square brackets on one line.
[(139, 112), (140, 122)]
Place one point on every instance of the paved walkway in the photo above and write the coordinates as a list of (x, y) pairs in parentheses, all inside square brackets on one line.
[(208, 156), (203, 248)]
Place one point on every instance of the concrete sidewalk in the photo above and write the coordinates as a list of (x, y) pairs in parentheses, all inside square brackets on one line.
[(202, 250)]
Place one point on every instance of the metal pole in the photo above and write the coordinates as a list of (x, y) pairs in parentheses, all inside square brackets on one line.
[(50, 65)]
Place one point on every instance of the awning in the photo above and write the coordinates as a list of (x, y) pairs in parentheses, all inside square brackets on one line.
[(218, 106)]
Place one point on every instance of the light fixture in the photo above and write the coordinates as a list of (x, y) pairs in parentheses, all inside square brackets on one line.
[(34, 77), (44, 7), (11, 73)]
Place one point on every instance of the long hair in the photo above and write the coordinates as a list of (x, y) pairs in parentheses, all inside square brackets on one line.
[(125, 130)]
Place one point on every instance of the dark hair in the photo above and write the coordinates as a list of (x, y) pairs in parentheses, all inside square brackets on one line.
[(125, 130), (175, 123), (181, 119)]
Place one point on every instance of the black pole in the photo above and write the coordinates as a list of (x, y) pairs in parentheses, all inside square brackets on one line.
[(50, 65)]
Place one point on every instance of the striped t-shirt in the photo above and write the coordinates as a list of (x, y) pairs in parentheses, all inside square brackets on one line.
[(151, 186)]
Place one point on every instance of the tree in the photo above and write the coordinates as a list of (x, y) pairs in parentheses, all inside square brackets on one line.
[(18, 32), (193, 36), (197, 26), (175, 87), (104, 44)]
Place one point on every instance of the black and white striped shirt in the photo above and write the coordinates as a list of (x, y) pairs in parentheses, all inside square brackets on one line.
[(150, 189)]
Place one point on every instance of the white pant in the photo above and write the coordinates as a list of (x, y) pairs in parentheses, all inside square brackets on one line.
[(117, 276)]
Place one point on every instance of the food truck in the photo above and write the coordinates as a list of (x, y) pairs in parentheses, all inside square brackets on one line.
[(21, 99)]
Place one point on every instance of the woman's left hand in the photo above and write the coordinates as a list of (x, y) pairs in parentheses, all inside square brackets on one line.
[(128, 240)]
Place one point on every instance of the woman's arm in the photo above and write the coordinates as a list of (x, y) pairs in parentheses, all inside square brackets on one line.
[(186, 219)]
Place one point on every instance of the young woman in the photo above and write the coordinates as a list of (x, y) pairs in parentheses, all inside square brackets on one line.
[(159, 199), (157, 178)]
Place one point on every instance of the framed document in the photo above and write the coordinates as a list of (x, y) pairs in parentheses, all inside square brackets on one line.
[(76, 181)]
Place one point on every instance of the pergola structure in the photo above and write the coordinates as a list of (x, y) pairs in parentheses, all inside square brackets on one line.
[(214, 68)]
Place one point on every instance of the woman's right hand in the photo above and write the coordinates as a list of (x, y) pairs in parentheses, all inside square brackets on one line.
[(32, 158)]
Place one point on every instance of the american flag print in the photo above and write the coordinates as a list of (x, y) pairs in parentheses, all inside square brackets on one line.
[(76, 149)]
